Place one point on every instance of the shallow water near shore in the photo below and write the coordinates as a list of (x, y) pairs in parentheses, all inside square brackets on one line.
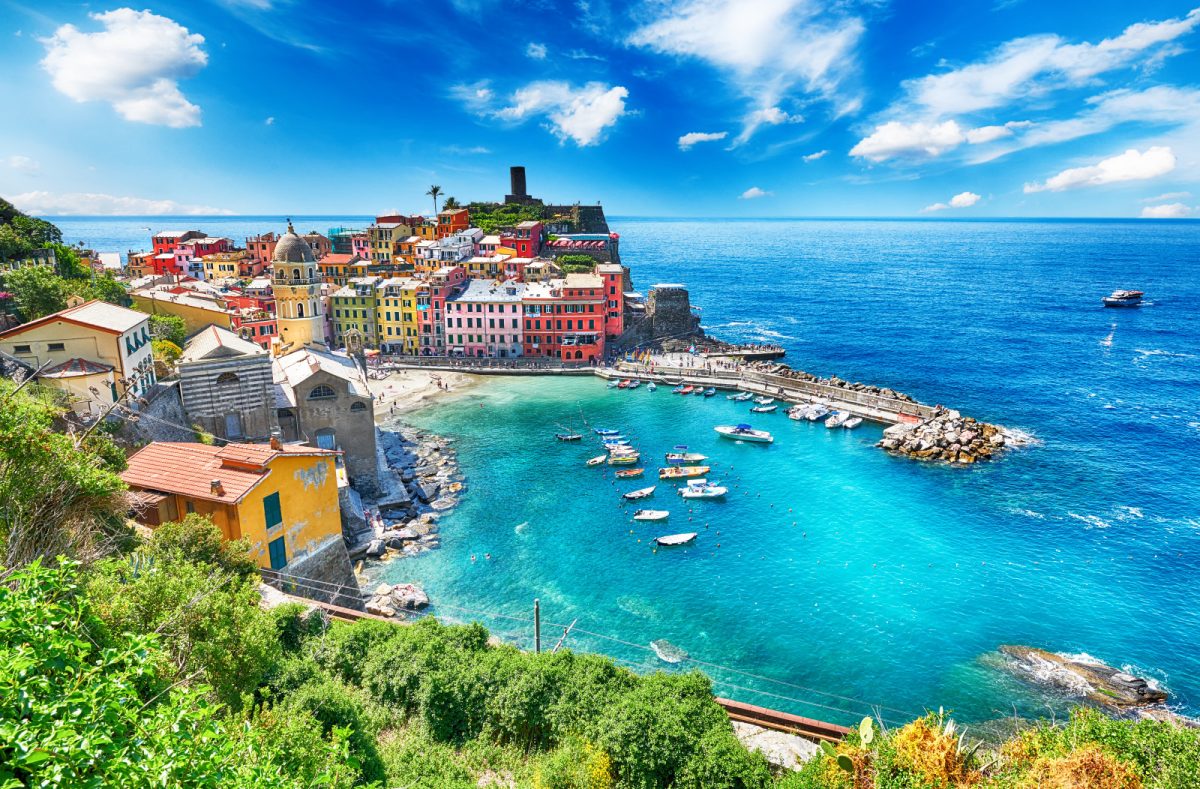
[(899, 579)]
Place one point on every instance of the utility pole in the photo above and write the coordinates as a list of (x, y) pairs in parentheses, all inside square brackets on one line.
[(537, 626)]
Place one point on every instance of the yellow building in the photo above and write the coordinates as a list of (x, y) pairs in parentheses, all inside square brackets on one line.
[(283, 499), (427, 230), (89, 345), (296, 284), (223, 266), (355, 308), (198, 310), (397, 315)]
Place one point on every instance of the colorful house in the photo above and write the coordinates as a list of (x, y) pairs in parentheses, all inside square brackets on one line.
[(165, 241), (431, 307), (454, 220), (484, 320), (262, 247), (613, 275), (525, 238), (399, 328), (564, 318), (355, 308), (282, 499)]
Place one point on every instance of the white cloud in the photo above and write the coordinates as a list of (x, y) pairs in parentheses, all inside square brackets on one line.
[(1169, 211), (908, 139), (270, 121), (812, 157), (767, 116), (463, 150), (23, 164), (767, 53), (1133, 165), (578, 114), (93, 204), (1168, 196), (986, 134), (535, 50), (134, 64), (691, 138), (754, 193), (1034, 65), (476, 96), (960, 200)]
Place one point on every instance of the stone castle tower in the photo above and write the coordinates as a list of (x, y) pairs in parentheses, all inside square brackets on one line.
[(299, 311)]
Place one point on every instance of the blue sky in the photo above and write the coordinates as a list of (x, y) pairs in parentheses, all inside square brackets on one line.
[(664, 108)]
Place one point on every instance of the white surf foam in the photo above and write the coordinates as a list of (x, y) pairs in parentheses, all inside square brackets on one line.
[(1094, 521)]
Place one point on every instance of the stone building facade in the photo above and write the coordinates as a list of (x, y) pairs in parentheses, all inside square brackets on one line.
[(227, 386)]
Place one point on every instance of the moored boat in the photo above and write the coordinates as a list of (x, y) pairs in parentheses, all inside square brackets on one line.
[(702, 489), (852, 422), (568, 436), (709, 392), (741, 397), (685, 457), (624, 460), (683, 472), (624, 384), (678, 390), (744, 433), (596, 461), (686, 390), (640, 493), (635, 384), (763, 409), (764, 400), (651, 515), (614, 441), (798, 412), (629, 473), (836, 419), (603, 431), (613, 384), (676, 539), (1123, 298), (698, 391), (816, 411), (650, 387)]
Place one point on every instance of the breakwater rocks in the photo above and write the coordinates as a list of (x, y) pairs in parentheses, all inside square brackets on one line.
[(784, 371), (389, 600), (1117, 692), (947, 436)]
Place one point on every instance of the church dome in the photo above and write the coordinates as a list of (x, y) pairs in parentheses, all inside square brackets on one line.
[(292, 249)]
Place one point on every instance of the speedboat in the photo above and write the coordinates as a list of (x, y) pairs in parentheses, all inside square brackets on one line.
[(798, 412), (568, 436), (852, 422), (836, 419), (596, 461), (763, 409), (744, 433), (764, 400), (740, 397), (676, 539), (1123, 298), (815, 412), (650, 515), (650, 387), (709, 392), (603, 431), (624, 384), (635, 384), (702, 489), (683, 472), (640, 493), (629, 473), (686, 390), (685, 457)]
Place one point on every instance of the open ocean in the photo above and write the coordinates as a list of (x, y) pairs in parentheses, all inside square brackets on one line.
[(837, 578)]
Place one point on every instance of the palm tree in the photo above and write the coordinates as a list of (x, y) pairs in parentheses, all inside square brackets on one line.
[(435, 192), (450, 203)]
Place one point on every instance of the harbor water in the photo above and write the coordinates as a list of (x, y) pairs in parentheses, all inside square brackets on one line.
[(836, 580)]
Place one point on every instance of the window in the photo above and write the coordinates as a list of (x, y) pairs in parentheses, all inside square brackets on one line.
[(359, 407), (278, 552), (22, 349), (322, 392), (191, 506), (271, 511), (55, 346), (228, 378)]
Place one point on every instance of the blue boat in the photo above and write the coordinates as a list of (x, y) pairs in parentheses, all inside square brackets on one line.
[(600, 431), (709, 392)]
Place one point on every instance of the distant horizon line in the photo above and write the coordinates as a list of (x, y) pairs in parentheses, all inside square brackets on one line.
[(659, 217)]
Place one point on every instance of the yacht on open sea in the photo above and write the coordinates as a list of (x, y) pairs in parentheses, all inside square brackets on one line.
[(1124, 298)]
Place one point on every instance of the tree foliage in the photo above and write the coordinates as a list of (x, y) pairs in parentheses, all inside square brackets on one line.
[(491, 217), (37, 291), (168, 327), (572, 264)]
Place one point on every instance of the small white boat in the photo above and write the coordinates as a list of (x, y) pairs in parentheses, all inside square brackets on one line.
[(683, 472), (640, 493), (763, 409), (651, 515), (1123, 298), (740, 397), (702, 489), (668, 652), (650, 387), (602, 431), (744, 433), (635, 384), (676, 539), (836, 419), (852, 422), (764, 400), (611, 443), (613, 384), (797, 412), (815, 412), (676, 458), (596, 461)]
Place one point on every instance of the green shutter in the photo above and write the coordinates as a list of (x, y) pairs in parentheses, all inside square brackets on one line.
[(274, 515), (278, 553)]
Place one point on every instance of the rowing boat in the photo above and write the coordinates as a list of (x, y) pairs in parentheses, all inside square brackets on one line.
[(629, 473), (596, 461), (624, 460), (763, 409), (640, 493), (683, 472), (676, 539), (651, 515)]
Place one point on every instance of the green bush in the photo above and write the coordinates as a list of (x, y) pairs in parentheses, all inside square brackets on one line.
[(197, 539), (720, 761), (335, 706)]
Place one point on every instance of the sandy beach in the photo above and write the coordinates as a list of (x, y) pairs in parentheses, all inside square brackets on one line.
[(406, 390)]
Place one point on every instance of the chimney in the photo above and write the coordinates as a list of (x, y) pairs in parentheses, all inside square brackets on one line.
[(216, 488), (516, 176), (276, 444)]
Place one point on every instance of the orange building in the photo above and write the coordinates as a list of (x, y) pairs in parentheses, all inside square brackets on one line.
[(453, 221)]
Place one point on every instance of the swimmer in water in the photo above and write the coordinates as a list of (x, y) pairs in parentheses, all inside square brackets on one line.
[(472, 557), (487, 556)]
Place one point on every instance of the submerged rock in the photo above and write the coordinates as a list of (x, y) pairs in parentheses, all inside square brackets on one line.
[(1102, 685)]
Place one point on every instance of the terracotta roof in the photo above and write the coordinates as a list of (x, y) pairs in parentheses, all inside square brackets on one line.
[(189, 469), (76, 367)]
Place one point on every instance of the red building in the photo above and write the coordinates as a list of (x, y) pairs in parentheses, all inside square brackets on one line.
[(613, 275), (453, 221), (564, 318), (262, 247), (165, 241), (525, 238), (256, 326)]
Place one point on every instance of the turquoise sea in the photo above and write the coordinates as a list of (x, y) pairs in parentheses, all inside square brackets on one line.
[(836, 579)]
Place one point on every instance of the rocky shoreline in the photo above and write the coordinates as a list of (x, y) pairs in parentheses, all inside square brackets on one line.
[(421, 482), (950, 437)]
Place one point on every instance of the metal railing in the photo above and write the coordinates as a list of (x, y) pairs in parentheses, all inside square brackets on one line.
[(480, 363)]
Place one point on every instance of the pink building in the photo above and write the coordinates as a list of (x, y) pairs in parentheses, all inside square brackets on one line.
[(188, 253), (431, 308), (484, 319)]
